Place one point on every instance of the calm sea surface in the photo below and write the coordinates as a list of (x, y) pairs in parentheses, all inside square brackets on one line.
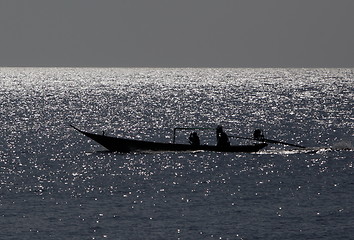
[(57, 184)]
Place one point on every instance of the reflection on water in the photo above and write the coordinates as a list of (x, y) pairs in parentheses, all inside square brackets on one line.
[(55, 183)]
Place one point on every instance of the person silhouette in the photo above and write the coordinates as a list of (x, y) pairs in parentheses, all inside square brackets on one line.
[(222, 140), (194, 139), (258, 135)]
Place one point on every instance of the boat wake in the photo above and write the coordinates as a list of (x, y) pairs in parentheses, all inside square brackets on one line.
[(343, 145), (312, 150)]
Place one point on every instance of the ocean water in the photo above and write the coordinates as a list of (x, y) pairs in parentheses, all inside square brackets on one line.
[(57, 184)]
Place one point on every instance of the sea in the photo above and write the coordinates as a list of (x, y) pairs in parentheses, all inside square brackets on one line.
[(55, 183)]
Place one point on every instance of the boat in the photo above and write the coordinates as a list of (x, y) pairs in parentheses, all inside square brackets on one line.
[(124, 145)]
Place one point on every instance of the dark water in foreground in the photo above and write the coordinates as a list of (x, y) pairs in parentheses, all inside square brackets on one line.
[(56, 184)]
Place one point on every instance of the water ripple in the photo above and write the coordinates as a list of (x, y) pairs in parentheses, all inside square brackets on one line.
[(54, 178)]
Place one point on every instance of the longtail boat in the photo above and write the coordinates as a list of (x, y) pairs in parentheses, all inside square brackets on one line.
[(117, 144)]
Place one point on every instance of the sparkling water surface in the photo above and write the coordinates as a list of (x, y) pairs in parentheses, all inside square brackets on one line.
[(57, 184)]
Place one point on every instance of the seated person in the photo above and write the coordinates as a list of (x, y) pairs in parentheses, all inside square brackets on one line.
[(258, 135), (194, 139), (221, 138)]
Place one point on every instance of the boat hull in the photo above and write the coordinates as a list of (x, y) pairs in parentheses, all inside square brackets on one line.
[(115, 144)]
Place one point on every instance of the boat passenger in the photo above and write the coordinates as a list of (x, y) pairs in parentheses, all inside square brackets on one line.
[(222, 140), (194, 139), (258, 135)]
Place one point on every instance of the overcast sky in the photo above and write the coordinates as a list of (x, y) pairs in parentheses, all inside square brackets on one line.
[(177, 33)]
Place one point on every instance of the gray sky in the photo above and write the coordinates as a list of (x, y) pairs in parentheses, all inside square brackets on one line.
[(177, 33)]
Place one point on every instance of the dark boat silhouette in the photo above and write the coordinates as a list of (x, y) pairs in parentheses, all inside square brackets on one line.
[(116, 144)]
